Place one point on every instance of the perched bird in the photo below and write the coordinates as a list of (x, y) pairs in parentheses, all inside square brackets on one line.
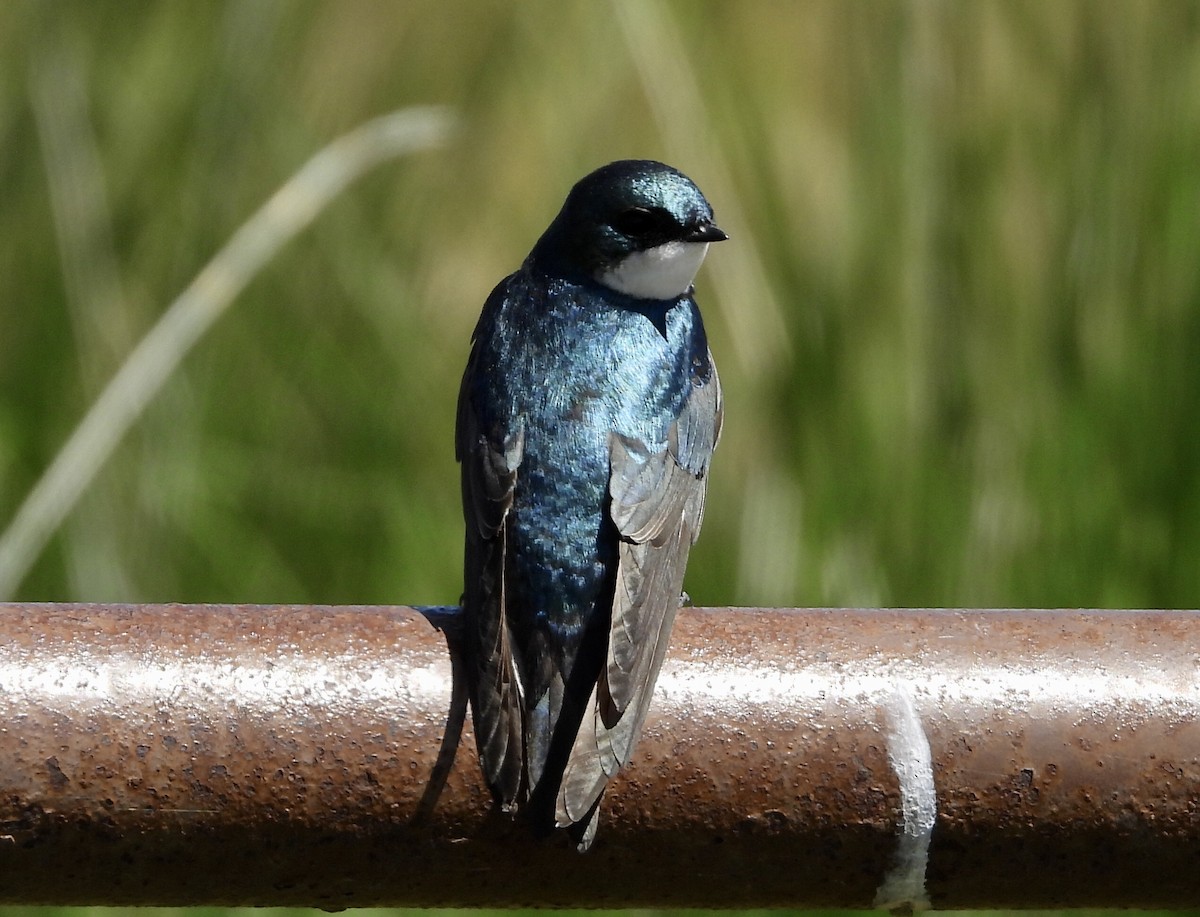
[(587, 415)]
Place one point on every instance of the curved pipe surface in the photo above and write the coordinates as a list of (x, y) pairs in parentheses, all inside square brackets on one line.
[(170, 754)]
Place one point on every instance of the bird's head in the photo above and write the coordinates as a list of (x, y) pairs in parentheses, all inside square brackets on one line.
[(636, 226)]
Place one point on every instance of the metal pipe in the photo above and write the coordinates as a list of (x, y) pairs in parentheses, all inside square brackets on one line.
[(230, 755)]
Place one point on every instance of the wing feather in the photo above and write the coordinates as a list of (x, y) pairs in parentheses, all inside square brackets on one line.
[(489, 474), (657, 503)]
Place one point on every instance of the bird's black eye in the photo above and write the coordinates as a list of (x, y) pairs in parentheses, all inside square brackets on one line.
[(641, 222)]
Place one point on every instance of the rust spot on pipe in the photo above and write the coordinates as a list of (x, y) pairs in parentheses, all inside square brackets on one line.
[(278, 755)]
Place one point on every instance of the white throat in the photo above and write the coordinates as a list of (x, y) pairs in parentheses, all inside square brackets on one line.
[(662, 272)]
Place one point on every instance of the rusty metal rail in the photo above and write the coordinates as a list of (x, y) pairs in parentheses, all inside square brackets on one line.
[(840, 758)]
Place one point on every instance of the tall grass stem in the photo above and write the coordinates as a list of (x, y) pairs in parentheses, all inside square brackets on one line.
[(157, 355)]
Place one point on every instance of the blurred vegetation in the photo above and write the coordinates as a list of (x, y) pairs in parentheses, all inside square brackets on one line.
[(958, 324)]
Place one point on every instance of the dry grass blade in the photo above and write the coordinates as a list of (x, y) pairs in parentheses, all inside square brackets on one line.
[(151, 363)]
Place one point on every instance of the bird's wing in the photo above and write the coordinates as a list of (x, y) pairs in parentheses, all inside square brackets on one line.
[(657, 504), (489, 474)]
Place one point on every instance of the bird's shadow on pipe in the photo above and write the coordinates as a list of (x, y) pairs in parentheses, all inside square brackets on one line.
[(448, 620)]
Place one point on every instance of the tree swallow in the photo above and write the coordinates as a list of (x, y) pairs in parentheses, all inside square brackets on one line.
[(587, 415)]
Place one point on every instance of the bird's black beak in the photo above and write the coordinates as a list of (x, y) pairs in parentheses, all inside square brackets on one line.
[(705, 232)]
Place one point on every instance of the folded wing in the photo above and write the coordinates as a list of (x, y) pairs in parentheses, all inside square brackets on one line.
[(657, 505), (489, 475)]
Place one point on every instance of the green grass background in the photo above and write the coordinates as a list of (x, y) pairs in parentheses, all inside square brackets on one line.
[(958, 323)]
